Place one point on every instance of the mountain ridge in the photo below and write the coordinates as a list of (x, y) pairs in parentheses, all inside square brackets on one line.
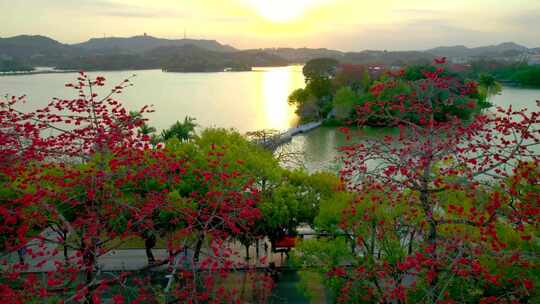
[(144, 43), (464, 51), (124, 52)]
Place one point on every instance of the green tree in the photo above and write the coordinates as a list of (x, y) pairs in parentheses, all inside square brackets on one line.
[(306, 106), (344, 102), (528, 76), (295, 201), (320, 67), (354, 76), (316, 258), (488, 87), (322, 89), (183, 131)]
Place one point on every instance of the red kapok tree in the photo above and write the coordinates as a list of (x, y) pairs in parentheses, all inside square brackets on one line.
[(446, 211), (77, 174)]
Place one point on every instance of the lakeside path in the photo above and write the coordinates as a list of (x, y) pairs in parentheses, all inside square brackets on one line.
[(277, 140), (44, 256)]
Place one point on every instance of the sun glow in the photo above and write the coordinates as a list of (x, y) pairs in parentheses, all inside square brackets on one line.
[(282, 10)]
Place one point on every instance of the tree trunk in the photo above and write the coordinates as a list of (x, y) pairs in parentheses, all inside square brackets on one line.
[(373, 237), (198, 246), (257, 248), (89, 259), (149, 243), (66, 254), (432, 233), (411, 242), (64, 236)]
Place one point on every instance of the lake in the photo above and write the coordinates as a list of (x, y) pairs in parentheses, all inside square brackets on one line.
[(320, 145), (246, 101)]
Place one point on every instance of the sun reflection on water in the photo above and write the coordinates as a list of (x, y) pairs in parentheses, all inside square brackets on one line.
[(277, 84)]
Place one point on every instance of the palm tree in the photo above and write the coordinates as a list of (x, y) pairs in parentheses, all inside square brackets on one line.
[(184, 131), (489, 86)]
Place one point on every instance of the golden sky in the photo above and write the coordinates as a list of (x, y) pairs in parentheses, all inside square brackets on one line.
[(339, 24)]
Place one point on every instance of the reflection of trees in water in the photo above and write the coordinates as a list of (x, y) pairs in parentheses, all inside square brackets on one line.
[(320, 146)]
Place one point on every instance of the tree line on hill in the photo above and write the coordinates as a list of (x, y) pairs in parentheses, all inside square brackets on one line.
[(140, 52), (193, 55)]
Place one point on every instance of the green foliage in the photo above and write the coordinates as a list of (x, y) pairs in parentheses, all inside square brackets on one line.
[(296, 201), (317, 257), (14, 66), (319, 68), (331, 212), (397, 88), (528, 76), (488, 87), (306, 106), (344, 102), (355, 77), (416, 72), (183, 131), (519, 73), (320, 87), (298, 97), (255, 161), (315, 101)]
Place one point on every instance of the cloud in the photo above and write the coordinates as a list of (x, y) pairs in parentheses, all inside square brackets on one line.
[(415, 34), (416, 12), (525, 20), (238, 19), (124, 10), (143, 14)]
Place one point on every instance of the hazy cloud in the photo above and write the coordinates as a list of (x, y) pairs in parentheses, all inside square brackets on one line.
[(342, 24), (125, 10), (416, 12), (143, 14), (416, 34), (527, 20), (224, 19)]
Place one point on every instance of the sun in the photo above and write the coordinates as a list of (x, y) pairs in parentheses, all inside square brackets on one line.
[(281, 10)]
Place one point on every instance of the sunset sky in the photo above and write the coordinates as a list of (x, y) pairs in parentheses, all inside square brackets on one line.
[(338, 24)]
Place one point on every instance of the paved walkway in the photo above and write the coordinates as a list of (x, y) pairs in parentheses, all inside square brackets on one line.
[(44, 256)]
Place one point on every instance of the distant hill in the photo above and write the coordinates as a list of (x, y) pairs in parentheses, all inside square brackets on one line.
[(508, 49), (34, 50), (146, 52), (25, 51), (185, 58), (141, 44), (190, 58), (303, 55), (398, 58)]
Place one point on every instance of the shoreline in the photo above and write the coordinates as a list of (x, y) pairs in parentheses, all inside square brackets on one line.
[(253, 69), (37, 73)]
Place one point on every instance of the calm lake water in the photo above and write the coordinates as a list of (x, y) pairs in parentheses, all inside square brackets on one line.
[(246, 101), (320, 144)]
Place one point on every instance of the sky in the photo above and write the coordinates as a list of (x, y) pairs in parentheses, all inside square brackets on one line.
[(338, 24)]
